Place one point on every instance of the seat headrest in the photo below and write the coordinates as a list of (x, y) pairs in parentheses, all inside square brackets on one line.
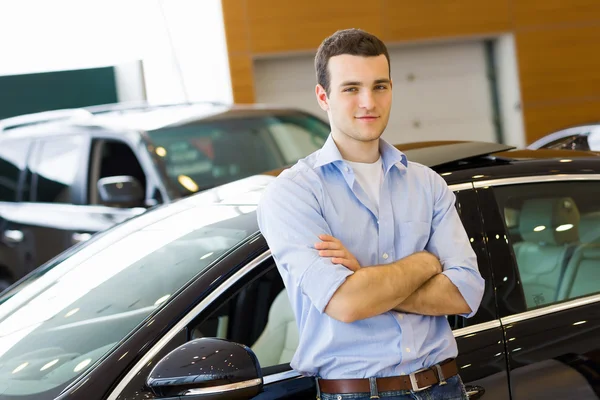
[(549, 221), (589, 228)]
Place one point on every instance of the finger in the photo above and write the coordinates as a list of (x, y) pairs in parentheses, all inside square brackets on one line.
[(328, 246), (328, 238), (333, 253)]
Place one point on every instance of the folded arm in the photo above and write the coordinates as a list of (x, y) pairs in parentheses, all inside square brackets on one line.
[(378, 289), (437, 296)]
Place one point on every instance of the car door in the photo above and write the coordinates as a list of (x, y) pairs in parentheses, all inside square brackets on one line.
[(481, 356), (548, 270)]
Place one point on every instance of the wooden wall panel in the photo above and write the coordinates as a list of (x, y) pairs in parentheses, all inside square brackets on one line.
[(280, 26), (543, 119), (236, 26), (559, 64), (549, 12), (242, 78), (413, 19)]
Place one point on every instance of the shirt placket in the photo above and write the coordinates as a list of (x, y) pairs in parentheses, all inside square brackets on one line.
[(387, 254), (385, 225)]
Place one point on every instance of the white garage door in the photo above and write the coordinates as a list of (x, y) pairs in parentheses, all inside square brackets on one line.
[(441, 91)]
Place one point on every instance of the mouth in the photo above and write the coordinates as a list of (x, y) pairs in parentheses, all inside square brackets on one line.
[(367, 118)]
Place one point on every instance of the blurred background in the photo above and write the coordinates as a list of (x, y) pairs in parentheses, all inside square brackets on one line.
[(508, 71)]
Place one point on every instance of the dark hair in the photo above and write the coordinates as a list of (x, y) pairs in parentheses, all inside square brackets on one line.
[(355, 42)]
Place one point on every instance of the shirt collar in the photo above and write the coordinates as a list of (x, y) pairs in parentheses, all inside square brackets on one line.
[(390, 155)]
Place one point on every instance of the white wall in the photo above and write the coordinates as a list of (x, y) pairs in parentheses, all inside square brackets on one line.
[(509, 92), (41, 36)]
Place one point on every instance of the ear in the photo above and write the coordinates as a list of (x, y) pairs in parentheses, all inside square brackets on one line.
[(322, 97)]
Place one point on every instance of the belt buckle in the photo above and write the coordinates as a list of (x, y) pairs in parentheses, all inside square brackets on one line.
[(413, 381)]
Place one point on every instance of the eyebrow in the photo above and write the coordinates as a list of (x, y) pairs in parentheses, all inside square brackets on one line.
[(357, 83)]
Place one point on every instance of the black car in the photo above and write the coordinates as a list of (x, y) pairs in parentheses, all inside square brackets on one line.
[(582, 137), (185, 301), (67, 174)]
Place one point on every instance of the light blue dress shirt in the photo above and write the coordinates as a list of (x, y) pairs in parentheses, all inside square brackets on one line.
[(319, 195)]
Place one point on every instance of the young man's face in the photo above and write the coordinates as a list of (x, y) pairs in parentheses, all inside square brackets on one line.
[(360, 97)]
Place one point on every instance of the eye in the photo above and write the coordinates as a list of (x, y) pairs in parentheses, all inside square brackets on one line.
[(351, 89), (381, 87)]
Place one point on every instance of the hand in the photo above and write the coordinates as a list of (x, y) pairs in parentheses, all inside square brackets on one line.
[(332, 247)]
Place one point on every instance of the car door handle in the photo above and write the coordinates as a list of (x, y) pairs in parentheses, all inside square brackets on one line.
[(474, 392), (79, 237), (13, 236)]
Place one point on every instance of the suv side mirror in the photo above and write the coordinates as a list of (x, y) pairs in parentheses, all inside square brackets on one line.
[(121, 190), (207, 368)]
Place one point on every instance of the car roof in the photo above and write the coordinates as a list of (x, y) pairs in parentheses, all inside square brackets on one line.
[(133, 116)]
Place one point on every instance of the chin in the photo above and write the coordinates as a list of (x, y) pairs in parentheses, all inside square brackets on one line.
[(370, 136)]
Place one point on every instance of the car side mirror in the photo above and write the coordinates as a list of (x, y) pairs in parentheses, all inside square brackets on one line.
[(207, 368), (121, 191)]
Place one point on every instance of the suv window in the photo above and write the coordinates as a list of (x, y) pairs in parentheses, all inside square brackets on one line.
[(112, 158), (13, 158), (554, 231), (56, 169), (209, 153)]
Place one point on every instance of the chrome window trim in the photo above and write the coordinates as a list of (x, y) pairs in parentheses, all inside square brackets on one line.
[(537, 179), (185, 321), (223, 388), (461, 186), (553, 308), (469, 330), (281, 376)]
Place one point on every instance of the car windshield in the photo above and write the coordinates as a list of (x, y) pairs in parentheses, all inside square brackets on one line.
[(55, 326), (209, 153)]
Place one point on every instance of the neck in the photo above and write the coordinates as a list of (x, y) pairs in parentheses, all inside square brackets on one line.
[(356, 150)]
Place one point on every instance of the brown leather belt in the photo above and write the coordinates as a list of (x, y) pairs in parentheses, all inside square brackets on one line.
[(418, 380)]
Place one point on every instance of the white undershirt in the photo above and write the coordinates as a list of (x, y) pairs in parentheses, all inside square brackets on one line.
[(370, 178)]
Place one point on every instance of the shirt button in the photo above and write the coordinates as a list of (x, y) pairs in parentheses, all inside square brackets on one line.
[(385, 256), (408, 349), (346, 169), (400, 316)]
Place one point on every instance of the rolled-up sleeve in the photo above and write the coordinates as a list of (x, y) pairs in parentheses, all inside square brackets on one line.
[(450, 243), (290, 219)]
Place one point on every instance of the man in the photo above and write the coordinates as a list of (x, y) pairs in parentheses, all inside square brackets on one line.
[(369, 245)]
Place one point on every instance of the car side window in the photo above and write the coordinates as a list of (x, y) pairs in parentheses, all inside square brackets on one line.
[(56, 167), (259, 315), (13, 158), (112, 158), (554, 231)]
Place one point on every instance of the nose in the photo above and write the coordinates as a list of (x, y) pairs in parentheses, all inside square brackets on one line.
[(367, 100)]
